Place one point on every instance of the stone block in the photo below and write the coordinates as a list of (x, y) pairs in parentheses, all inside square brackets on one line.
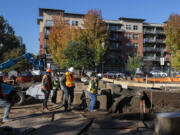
[(77, 98), (167, 123), (102, 84), (102, 102), (79, 85)]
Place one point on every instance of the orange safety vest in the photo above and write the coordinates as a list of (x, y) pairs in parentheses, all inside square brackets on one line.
[(48, 83), (69, 80)]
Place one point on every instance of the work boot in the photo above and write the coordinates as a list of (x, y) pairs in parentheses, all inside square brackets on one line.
[(6, 120), (45, 109)]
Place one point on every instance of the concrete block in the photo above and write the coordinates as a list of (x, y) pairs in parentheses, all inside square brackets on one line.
[(167, 123), (109, 85), (79, 85), (77, 98), (102, 84), (102, 102)]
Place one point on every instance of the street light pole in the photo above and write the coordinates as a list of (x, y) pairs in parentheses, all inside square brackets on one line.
[(103, 44)]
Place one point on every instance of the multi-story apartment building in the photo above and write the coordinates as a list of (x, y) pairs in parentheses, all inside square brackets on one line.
[(154, 47), (127, 37), (46, 22)]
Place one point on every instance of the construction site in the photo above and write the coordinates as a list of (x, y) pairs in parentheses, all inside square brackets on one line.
[(118, 111), (89, 75)]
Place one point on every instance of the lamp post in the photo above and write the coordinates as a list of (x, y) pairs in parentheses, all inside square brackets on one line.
[(103, 44)]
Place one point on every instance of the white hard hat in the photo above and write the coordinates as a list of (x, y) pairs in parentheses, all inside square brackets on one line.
[(1, 73), (56, 79), (71, 69)]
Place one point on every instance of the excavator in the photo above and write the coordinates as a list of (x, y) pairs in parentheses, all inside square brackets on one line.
[(18, 96)]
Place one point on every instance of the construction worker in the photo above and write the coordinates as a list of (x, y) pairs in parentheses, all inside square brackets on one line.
[(46, 87), (4, 101), (92, 90), (68, 85), (56, 86)]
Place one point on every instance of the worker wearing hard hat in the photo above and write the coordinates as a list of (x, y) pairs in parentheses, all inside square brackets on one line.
[(4, 101), (46, 86), (92, 90), (55, 87), (68, 82)]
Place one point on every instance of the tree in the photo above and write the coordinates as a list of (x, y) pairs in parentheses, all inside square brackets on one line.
[(94, 33), (172, 30), (8, 40), (60, 34), (78, 55), (133, 63), (13, 54), (175, 61)]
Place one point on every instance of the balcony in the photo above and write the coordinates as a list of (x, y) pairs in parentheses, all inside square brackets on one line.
[(160, 32), (152, 49), (161, 41), (149, 40), (46, 35), (149, 32), (151, 58), (114, 39), (115, 49), (48, 23)]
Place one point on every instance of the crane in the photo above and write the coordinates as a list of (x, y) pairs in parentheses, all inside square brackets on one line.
[(9, 90)]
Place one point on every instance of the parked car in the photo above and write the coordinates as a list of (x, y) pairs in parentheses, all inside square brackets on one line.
[(120, 75), (158, 73), (110, 74)]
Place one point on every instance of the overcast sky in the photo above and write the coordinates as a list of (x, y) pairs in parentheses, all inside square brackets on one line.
[(22, 14)]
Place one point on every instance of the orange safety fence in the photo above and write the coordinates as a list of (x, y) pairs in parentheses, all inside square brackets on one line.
[(167, 79), (138, 79), (175, 79), (164, 80)]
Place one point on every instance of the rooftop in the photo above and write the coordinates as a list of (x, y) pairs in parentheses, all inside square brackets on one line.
[(131, 19)]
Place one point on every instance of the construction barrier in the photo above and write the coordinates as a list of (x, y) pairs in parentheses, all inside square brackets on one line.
[(164, 80), (155, 80), (139, 79)]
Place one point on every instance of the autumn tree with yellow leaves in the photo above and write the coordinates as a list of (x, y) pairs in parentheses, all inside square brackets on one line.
[(93, 33), (172, 30), (60, 34)]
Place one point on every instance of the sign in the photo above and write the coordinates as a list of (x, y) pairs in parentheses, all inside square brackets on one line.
[(162, 61)]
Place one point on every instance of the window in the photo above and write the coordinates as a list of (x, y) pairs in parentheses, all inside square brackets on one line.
[(49, 23), (136, 45), (135, 36), (135, 27), (74, 23), (128, 35), (68, 22), (128, 44), (128, 27)]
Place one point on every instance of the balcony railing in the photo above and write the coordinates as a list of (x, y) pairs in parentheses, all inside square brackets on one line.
[(151, 58), (149, 40), (157, 49), (160, 41), (49, 24), (160, 32), (149, 32)]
